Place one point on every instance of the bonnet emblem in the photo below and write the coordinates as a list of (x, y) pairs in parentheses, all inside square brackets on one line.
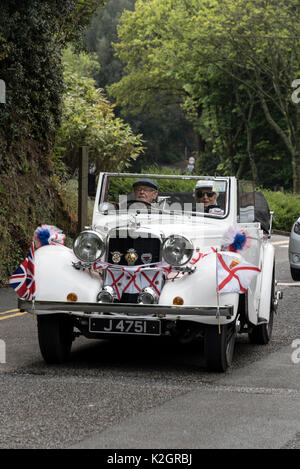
[(131, 256), (116, 257), (146, 258)]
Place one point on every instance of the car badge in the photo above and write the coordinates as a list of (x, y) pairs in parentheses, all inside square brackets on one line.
[(131, 256), (116, 257), (146, 258)]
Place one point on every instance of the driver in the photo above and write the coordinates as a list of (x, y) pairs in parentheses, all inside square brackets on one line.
[(205, 194), (145, 189)]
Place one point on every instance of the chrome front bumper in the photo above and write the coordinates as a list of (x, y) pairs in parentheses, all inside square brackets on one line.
[(132, 309)]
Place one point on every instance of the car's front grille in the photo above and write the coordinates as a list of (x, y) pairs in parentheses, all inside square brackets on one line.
[(124, 249)]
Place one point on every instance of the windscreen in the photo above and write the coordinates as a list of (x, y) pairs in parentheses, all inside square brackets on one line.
[(205, 196)]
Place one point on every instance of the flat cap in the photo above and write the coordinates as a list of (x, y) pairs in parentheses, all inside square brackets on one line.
[(145, 182)]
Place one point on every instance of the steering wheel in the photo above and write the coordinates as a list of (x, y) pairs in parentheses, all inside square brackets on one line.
[(136, 201)]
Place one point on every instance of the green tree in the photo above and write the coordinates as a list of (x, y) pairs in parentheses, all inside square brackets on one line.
[(88, 119), (258, 44), (32, 37), (184, 46), (165, 130), (79, 62), (34, 34), (99, 37)]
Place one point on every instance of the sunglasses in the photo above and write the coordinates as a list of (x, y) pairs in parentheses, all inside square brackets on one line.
[(201, 194)]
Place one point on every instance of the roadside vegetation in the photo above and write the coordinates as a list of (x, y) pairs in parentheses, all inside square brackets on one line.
[(210, 78), (52, 107), (286, 207)]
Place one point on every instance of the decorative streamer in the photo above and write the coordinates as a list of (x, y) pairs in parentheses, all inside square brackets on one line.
[(235, 241), (48, 234)]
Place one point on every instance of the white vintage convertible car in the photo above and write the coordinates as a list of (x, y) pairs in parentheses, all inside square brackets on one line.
[(168, 268)]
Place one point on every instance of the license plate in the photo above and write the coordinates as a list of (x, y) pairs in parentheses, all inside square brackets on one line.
[(125, 326)]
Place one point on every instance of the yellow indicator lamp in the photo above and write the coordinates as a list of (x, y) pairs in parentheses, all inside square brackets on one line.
[(72, 297), (178, 301)]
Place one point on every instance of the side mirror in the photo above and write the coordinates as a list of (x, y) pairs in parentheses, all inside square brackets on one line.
[(271, 221)]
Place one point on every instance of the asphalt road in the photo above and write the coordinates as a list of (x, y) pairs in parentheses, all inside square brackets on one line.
[(151, 394)]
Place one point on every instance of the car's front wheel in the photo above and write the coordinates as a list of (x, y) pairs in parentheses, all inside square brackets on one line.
[(55, 334), (219, 346)]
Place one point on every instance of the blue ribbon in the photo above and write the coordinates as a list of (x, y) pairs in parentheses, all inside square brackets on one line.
[(239, 241), (43, 236)]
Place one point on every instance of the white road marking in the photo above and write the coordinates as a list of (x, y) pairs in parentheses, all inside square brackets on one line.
[(294, 284)]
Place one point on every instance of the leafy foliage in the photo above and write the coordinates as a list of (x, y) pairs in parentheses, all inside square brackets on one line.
[(88, 119), (121, 185), (34, 34), (166, 132), (32, 37), (100, 36), (231, 63), (286, 209), (79, 62)]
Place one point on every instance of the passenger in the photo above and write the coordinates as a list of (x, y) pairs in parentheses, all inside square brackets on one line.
[(206, 195)]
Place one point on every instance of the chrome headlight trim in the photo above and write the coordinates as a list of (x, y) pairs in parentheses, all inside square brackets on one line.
[(88, 246), (177, 250)]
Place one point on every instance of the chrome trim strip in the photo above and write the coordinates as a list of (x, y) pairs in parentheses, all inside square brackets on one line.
[(125, 308)]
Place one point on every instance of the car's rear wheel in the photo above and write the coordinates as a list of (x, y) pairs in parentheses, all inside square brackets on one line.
[(295, 273), (55, 334), (219, 346)]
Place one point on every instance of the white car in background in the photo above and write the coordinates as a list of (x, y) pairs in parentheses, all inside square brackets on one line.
[(294, 250), (164, 269)]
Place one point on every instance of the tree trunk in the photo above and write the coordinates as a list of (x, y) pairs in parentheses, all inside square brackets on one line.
[(296, 154), (296, 171), (240, 171), (250, 151), (200, 148), (292, 144)]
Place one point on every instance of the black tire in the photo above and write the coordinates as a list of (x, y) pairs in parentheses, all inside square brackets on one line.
[(219, 346), (55, 334), (295, 273), (262, 334)]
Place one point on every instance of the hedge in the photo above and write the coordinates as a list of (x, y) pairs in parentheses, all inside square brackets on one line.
[(286, 207)]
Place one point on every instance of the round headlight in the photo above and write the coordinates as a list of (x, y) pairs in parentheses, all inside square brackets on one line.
[(88, 246), (297, 227), (177, 250)]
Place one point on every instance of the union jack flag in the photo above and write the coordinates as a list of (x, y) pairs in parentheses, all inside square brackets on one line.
[(22, 280)]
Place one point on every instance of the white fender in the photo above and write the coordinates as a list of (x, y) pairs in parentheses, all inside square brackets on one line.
[(266, 281), (199, 288), (55, 276)]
